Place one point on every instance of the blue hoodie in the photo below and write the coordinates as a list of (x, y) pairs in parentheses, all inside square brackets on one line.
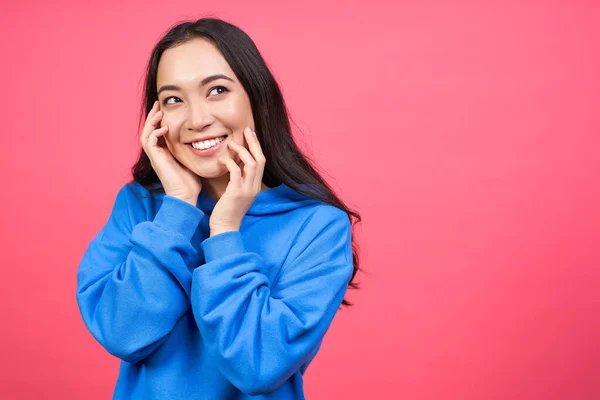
[(238, 315)]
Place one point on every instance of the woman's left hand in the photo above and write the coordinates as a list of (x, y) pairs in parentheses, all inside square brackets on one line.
[(243, 186)]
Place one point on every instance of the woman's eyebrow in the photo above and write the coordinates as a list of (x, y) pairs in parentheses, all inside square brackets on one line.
[(206, 80)]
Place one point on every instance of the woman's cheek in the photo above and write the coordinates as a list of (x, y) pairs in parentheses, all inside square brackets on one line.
[(165, 120), (173, 124), (239, 115)]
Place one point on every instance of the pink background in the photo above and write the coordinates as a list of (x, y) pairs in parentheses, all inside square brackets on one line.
[(465, 133)]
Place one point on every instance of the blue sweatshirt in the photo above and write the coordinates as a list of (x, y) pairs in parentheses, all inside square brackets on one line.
[(239, 315)]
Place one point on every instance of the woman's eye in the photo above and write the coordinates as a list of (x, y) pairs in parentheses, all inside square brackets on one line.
[(218, 89), (222, 88), (166, 101)]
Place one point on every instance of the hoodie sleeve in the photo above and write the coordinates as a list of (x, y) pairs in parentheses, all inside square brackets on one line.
[(260, 334), (133, 282)]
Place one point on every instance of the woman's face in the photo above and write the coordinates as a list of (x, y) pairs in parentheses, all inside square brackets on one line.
[(201, 99)]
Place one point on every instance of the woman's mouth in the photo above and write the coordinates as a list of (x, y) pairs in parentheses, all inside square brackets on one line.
[(207, 147)]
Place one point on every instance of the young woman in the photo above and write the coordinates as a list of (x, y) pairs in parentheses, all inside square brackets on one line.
[(226, 258)]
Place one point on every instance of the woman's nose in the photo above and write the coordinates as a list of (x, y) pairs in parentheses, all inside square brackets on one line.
[(199, 117)]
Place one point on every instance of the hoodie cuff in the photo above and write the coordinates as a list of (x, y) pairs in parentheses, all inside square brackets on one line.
[(177, 215), (223, 244)]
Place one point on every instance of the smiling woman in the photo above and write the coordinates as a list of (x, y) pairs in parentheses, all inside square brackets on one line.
[(201, 100), (225, 260)]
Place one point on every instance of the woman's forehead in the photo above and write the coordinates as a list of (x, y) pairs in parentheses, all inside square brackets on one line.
[(191, 62)]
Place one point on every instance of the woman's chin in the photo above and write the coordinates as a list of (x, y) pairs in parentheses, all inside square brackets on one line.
[(210, 172)]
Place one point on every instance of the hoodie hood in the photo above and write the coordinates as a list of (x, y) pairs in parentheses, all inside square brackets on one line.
[(275, 200)]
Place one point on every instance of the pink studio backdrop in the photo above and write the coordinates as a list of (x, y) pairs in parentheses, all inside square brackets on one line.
[(466, 133)]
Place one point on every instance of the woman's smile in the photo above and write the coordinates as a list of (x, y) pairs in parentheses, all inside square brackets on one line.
[(208, 147)]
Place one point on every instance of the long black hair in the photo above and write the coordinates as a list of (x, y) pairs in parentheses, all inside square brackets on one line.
[(285, 162)]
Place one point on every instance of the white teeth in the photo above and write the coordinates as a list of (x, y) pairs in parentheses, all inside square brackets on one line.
[(207, 143)]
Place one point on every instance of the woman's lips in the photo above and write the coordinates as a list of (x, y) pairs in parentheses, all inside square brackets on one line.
[(209, 151)]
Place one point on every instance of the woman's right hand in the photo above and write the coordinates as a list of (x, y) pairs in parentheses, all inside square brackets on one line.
[(177, 180)]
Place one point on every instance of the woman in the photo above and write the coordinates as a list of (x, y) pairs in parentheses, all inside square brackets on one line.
[(224, 262)]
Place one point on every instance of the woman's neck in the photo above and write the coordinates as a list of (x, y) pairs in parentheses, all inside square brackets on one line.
[(215, 187)]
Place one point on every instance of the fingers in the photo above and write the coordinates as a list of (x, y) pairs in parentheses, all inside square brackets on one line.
[(152, 120), (154, 109), (235, 173), (150, 133), (253, 163), (152, 114), (257, 154), (154, 135), (249, 163)]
